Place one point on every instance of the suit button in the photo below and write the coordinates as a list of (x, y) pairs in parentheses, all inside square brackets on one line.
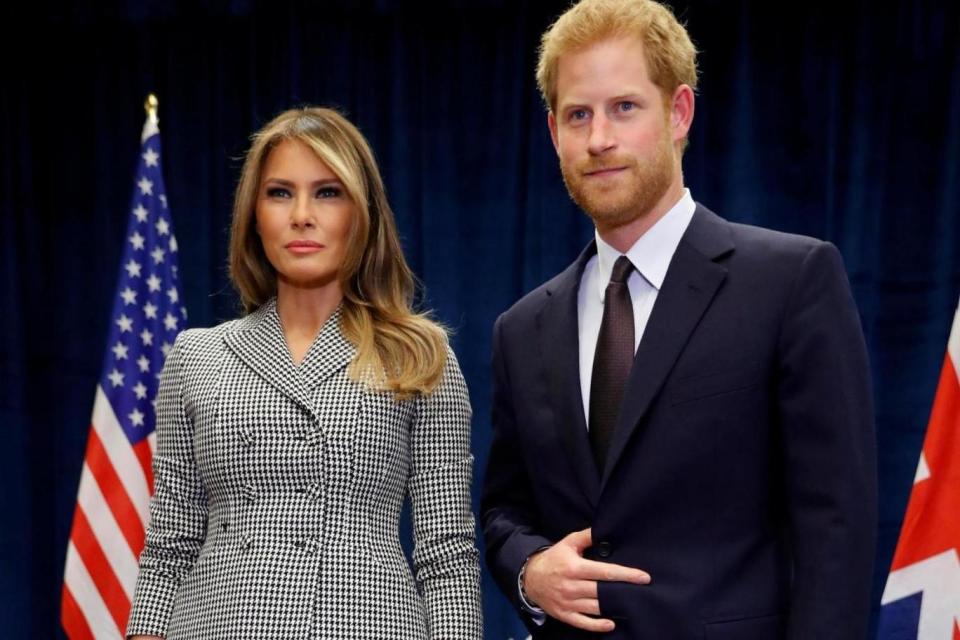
[(249, 493), (309, 546), (603, 549)]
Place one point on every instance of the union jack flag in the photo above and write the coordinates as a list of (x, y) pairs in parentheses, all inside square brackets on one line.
[(922, 598), (116, 483)]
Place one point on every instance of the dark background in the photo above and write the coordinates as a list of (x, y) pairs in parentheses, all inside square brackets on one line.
[(838, 120)]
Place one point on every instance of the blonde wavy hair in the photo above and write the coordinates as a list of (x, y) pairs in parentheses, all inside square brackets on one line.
[(398, 350), (671, 56)]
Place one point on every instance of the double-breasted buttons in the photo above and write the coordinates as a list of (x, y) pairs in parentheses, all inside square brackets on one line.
[(314, 491), (249, 493), (247, 436), (309, 546)]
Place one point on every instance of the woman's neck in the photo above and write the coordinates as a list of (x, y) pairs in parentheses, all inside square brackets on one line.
[(303, 312)]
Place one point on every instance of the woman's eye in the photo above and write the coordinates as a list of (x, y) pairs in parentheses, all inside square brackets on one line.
[(328, 192), (277, 192)]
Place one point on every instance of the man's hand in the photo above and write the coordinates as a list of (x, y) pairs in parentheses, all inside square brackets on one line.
[(562, 583)]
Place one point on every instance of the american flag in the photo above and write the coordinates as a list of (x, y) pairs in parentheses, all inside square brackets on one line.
[(116, 483), (922, 598)]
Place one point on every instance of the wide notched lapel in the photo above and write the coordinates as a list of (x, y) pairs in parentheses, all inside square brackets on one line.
[(330, 352), (557, 325), (692, 280), (259, 342)]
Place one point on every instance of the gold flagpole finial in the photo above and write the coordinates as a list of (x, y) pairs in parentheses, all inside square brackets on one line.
[(150, 106), (151, 126)]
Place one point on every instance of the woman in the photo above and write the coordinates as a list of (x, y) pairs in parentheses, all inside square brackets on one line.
[(288, 439)]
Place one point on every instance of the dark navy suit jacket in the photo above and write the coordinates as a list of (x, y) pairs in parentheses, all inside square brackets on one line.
[(742, 470)]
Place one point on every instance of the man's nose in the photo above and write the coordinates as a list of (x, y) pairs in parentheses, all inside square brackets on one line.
[(601, 135)]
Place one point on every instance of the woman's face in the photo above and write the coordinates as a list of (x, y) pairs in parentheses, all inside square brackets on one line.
[(303, 217)]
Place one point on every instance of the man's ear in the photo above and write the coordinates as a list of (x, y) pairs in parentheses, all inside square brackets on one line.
[(681, 112)]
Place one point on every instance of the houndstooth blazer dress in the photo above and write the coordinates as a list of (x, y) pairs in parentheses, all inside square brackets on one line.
[(278, 496)]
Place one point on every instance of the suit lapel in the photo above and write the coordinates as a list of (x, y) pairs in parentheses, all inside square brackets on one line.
[(329, 353), (557, 324), (259, 342), (692, 280)]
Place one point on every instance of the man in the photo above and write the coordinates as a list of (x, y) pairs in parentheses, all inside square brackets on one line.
[(683, 433)]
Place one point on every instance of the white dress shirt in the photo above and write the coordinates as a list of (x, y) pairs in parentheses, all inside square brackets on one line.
[(651, 255)]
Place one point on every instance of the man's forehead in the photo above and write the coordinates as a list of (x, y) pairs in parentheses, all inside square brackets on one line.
[(604, 70)]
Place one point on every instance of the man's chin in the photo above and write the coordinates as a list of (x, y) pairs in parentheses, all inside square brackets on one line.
[(608, 215)]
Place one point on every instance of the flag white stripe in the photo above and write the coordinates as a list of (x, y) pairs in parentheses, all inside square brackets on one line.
[(107, 532), (124, 461), (88, 598), (953, 344), (938, 579)]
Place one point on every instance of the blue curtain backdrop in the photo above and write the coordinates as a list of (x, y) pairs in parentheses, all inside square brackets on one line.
[(838, 120)]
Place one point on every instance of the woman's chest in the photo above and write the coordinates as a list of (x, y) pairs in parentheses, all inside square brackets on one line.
[(335, 433)]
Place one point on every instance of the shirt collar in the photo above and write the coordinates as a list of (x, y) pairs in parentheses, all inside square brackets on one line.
[(652, 252)]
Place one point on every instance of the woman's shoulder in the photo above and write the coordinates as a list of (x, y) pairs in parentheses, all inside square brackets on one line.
[(191, 343)]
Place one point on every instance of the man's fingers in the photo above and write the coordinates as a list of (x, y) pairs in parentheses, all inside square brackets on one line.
[(609, 572), (577, 589), (597, 625), (580, 540), (590, 606)]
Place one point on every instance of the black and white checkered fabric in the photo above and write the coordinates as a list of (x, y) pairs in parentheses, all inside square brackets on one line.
[(278, 496)]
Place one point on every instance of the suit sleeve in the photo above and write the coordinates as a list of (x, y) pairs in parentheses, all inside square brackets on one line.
[(826, 419), (445, 556), (178, 509), (508, 508)]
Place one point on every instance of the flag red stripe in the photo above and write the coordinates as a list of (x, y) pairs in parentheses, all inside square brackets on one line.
[(113, 492), (144, 455), (74, 623), (111, 591), (931, 524)]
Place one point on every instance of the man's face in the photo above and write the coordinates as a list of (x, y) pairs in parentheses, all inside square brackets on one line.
[(613, 133)]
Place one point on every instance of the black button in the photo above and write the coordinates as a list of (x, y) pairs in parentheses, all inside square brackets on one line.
[(603, 549), (223, 526)]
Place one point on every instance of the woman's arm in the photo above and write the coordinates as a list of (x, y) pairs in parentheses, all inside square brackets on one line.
[(178, 509), (445, 556)]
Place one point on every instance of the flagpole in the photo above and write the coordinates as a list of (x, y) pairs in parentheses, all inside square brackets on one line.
[(113, 497)]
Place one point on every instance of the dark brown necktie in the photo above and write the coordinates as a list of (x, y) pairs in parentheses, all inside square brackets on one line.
[(612, 361)]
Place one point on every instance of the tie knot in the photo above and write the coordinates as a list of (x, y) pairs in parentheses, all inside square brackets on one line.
[(621, 270)]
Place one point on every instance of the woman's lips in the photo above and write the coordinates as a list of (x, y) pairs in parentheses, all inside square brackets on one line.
[(304, 246)]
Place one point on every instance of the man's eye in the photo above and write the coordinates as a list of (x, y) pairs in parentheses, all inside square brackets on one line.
[(277, 192), (578, 114), (627, 106)]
